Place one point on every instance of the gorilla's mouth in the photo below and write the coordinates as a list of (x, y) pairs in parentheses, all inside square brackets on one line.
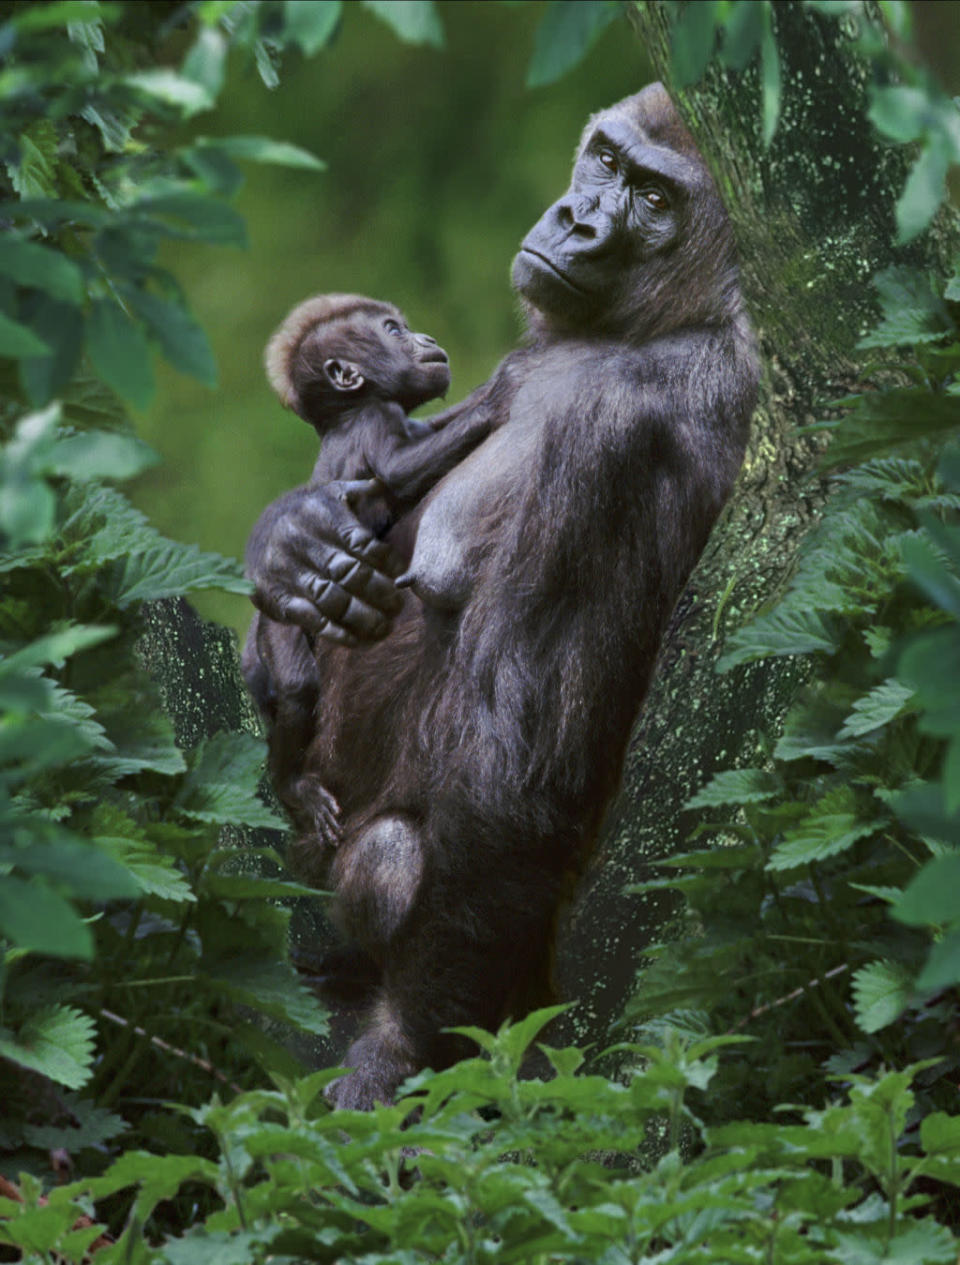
[(437, 356), (571, 285)]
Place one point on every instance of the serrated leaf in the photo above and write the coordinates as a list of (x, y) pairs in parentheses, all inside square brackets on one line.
[(412, 21), (881, 991), (566, 33), (885, 702), (56, 1042), (169, 569), (119, 352), (33, 916), (41, 268), (912, 312), (311, 23), (831, 827), (158, 1176), (778, 632), (736, 786), (90, 1125), (221, 783), (884, 420), (271, 988)]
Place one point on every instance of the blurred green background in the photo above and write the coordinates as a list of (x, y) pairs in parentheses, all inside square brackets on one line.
[(438, 163)]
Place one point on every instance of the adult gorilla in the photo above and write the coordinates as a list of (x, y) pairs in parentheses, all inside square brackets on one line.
[(474, 742)]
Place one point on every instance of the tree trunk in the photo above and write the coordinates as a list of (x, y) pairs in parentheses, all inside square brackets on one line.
[(814, 218)]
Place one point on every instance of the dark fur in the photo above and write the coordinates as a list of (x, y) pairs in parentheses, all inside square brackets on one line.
[(475, 748)]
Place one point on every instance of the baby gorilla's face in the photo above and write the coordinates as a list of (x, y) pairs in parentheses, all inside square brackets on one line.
[(409, 368)]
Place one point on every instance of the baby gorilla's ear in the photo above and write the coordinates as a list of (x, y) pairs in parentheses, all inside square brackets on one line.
[(343, 375)]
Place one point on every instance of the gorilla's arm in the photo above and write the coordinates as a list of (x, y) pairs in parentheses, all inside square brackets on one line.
[(410, 469), (315, 565)]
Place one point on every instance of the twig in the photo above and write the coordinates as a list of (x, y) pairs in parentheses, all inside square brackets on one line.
[(172, 1049), (782, 1001)]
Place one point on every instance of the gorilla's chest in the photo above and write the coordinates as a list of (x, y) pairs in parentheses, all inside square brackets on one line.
[(469, 510)]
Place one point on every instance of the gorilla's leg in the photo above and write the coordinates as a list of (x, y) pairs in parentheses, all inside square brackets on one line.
[(469, 953)]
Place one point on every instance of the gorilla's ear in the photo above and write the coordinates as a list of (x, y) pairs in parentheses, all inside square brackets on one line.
[(342, 375)]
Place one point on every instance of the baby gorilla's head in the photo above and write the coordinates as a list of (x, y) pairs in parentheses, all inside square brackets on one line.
[(337, 350)]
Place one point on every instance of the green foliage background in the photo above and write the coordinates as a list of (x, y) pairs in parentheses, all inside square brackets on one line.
[(438, 161)]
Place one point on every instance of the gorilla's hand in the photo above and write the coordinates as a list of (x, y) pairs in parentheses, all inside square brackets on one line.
[(315, 565)]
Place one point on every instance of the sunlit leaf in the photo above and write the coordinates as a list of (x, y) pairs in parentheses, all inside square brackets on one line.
[(311, 23), (56, 1042), (413, 21), (880, 993)]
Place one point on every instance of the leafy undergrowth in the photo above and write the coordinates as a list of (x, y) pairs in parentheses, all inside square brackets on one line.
[(789, 1091), (478, 1165)]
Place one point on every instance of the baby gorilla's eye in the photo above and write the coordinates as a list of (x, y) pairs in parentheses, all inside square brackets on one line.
[(609, 160), (655, 198), (393, 328)]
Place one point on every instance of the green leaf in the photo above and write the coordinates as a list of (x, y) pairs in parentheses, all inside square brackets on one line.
[(566, 33), (311, 23), (736, 786), (186, 95), (34, 916), (912, 312), (885, 702), (931, 898), (158, 1176), (222, 780), (881, 991), (261, 149), (692, 39), (181, 339), (778, 632), (61, 327), (18, 342), (928, 571), (271, 988), (100, 454), (42, 268), (194, 217), (83, 869), (770, 84), (925, 189), (942, 969), (119, 352), (940, 1134), (413, 21), (56, 1042), (883, 420), (206, 62), (35, 175), (830, 828), (902, 113), (742, 32)]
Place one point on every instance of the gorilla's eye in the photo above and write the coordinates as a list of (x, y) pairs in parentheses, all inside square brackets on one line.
[(655, 198), (393, 328), (609, 160)]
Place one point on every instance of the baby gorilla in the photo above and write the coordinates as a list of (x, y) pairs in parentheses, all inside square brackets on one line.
[(351, 367)]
